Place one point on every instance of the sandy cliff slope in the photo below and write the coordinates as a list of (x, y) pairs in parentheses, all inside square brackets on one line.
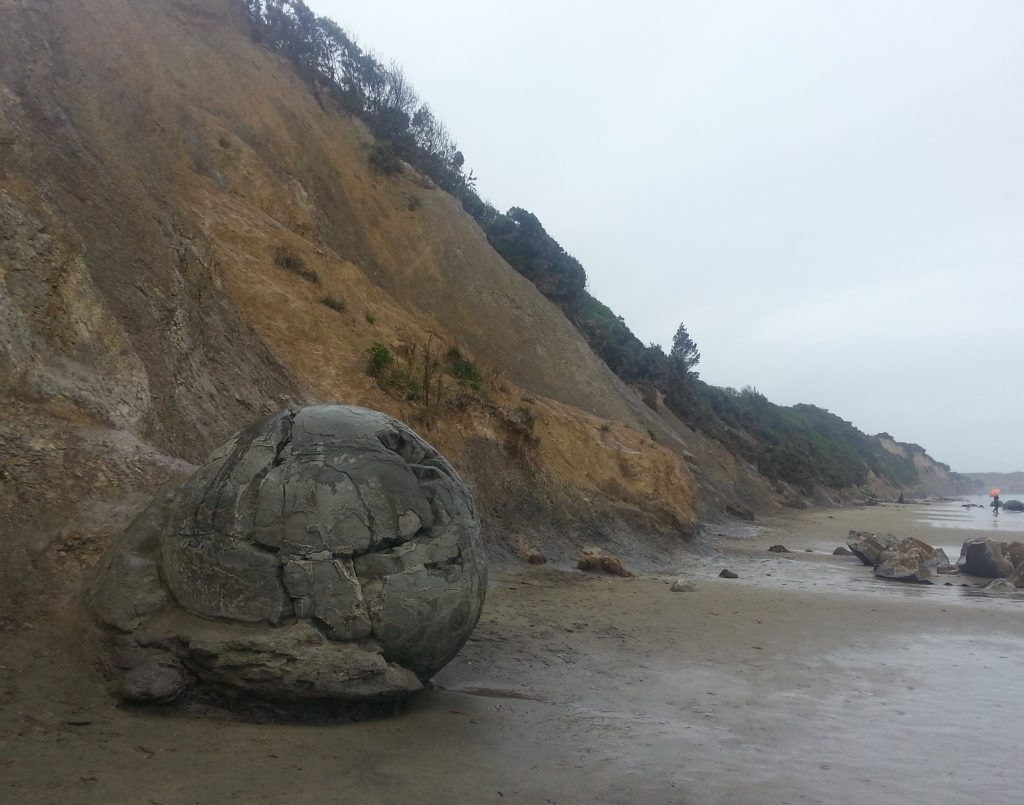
[(159, 176)]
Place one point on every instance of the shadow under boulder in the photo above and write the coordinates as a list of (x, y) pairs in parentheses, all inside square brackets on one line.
[(325, 554)]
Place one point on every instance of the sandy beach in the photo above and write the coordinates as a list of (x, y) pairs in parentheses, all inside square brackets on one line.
[(805, 680)]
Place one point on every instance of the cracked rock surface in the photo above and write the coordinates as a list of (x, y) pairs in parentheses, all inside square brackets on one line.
[(325, 552)]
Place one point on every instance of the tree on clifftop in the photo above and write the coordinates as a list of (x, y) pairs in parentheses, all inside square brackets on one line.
[(684, 355)]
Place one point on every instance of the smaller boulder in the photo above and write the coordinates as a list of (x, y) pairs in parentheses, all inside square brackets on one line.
[(727, 574), (595, 559), (155, 680), (1013, 506), (842, 551), (985, 558), (910, 560), (1015, 553), (1000, 586), (681, 585), (867, 546), (739, 511), (779, 549), (535, 558)]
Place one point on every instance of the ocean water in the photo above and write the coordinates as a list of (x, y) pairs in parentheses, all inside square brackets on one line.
[(954, 514)]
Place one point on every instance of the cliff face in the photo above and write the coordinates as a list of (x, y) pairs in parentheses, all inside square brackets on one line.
[(175, 207), (933, 477)]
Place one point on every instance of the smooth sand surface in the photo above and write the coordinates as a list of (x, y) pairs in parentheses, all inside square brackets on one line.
[(804, 680)]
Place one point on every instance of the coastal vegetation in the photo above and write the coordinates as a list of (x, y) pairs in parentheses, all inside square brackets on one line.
[(802, 445), (420, 373)]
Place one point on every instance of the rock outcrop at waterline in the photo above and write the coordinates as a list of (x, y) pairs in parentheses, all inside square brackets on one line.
[(908, 559), (991, 559), (326, 552), (868, 546)]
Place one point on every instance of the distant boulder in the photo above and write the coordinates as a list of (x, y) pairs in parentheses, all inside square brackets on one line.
[(842, 551), (1014, 551), (985, 558), (595, 559), (742, 512), (867, 545), (779, 549), (1013, 506)]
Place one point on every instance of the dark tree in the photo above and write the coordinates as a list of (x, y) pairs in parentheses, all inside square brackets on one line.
[(684, 354)]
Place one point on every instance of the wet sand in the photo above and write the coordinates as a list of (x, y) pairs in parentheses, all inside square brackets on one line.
[(805, 680)]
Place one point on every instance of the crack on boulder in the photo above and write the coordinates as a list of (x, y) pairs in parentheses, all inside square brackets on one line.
[(281, 445), (449, 562), (371, 520), (242, 443), (322, 626), (262, 546)]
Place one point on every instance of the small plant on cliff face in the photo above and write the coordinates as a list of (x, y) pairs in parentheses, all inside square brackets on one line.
[(417, 372), (393, 376), (295, 264), (333, 303), (461, 368), (380, 358), (384, 159)]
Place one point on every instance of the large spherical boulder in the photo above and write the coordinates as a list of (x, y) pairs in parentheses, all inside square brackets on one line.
[(326, 552)]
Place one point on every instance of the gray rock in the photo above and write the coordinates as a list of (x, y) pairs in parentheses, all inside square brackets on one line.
[(1014, 551), (867, 546), (985, 558), (681, 585), (842, 551), (325, 552), (910, 560), (155, 680), (728, 574), (1013, 506), (779, 549), (1000, 586)]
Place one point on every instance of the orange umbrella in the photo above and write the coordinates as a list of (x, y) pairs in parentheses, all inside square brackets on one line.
[(994, 493)]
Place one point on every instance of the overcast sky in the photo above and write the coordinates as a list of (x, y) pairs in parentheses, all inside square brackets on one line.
[(829, 194)]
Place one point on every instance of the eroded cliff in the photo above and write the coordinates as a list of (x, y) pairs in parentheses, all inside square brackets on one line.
[(191, 238)]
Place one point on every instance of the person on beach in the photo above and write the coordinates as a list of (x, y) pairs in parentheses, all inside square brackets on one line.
[(995, 505)]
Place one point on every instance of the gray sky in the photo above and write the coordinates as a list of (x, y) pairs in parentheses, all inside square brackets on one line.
[(829, 194)]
